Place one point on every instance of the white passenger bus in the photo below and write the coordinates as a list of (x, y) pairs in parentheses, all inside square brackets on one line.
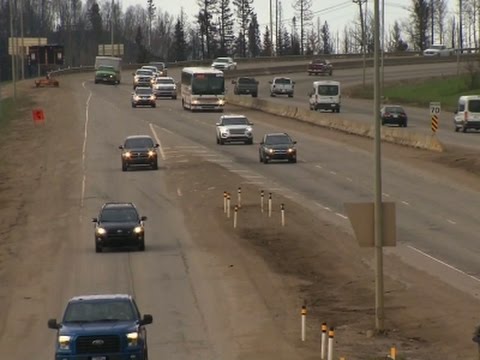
[(203, 89)]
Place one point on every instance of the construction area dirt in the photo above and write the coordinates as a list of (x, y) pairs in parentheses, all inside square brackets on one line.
[(322, 265)]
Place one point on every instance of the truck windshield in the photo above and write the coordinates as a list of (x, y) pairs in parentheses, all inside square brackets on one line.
[(96, 311), (330, 90), (119, 215), (208, 84), (105, 68)]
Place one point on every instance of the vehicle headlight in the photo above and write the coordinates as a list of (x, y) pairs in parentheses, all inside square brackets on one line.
[(195, 102), (152, 81), (174, 87), (152, 97), (291, 150), (64, 342), (127, 154), (136, 98), (132, 339), (101, 231), (138, 230), (111, 76), (269, 150), (151, 153), (221, 102), (248, 129)]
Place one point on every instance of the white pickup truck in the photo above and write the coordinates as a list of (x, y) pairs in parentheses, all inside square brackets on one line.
[(438, 50)]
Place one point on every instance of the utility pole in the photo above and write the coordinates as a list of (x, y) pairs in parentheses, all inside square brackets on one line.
[(362, 25), (271, 27), (378, 215), (382, 74), (111, 28), (22, 54), (277, 50), (432, 21), (12, 34)]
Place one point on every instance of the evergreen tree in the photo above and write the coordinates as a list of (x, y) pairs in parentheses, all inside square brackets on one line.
[(396, 42), (142, 53), (96, 22), (327, 45), (225, 27), (305, 14), (267, 44), (420, 16), (286, 43), (244, 13), (151, 8), (180, 44), (295, 41), (254, 41), (204, 17)]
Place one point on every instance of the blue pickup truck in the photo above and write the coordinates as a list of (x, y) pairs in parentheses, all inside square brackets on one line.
[(101, 327)]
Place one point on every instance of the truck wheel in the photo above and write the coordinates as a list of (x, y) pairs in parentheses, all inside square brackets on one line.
[(254, 94), (290, 95), (98, 248), (141, 246)]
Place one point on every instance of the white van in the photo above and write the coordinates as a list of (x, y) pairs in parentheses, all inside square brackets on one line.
[(467, 114), (325, 95)]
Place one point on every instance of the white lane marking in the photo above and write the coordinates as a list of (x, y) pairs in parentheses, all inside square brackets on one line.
[(253, 182), (349, 179), (239, 170), (405, 203), (323, 207), (179, 192), (386, 195), (443, 263), (451, 221), (333, 172), (253, 176), (166, 130), (190, 147), (341, 215), (319, 166), (162, 153), (84, 147)]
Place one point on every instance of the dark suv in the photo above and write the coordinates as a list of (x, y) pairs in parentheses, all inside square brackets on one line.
[(101, 327), (139, 150), (277, 146), (119, 225)]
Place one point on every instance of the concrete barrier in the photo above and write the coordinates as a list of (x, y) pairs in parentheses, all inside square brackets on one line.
[(393, 135)]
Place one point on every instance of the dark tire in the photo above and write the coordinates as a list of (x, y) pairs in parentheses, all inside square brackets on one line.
[(293, 161), (265, 160), (456, 129), (221, 141), (155, 166), (154, 105), (250, 142), (218, 141), (272, 94), (290, 95), (124, 167), (254, 95), (174, 97), (134, 106), (464, 129), (141, 246), (98, 248), (260, 158)]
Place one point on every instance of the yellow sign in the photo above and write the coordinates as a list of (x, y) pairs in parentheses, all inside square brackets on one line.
[(434, 123), (15, 44)]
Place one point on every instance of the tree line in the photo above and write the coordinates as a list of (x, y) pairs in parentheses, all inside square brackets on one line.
[(223, 28)]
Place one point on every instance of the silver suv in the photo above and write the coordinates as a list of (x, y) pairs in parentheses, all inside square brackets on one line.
[(233, 128)]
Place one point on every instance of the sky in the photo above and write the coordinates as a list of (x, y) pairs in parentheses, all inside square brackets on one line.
[(338, 13)]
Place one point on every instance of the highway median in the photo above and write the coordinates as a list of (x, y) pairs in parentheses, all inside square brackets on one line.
[(392, 135)]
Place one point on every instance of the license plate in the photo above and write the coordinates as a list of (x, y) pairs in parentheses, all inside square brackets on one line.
[(247, 91), (99, 358), (283, 90), (395, 116)]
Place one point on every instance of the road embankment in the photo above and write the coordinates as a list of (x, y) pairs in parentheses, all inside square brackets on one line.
[(400, 136)]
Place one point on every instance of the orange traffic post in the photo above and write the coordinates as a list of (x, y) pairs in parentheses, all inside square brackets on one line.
[(235, 211), (224, 202), (239, 197), (303, 315), (331, 335), (324, 341), (262, 196), (270, 205), (282, 209), (393, 352), (228, 205)]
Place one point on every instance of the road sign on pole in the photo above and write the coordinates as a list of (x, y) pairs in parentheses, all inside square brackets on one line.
[(435, 110)]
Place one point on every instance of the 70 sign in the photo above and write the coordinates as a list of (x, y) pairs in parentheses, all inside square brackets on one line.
[(435, 108)]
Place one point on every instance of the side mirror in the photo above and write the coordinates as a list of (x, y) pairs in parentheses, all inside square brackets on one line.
[(270, 82), (295, 142), (234, 82), (455, 112), (95, 220), (52, 324), (133, 74), (257, 82), (250, 123), (218, 124), (121, 147), (147, 319), (261, 143), (293, 82), (310, 93), (143, 218), (156, 146)]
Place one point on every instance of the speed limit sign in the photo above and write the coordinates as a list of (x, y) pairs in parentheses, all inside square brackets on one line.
[(435, 108)]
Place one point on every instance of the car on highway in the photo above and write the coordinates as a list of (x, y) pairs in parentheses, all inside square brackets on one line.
[(282, 86), (467, 113), (153, 69), (277, 146), (320, 66), (224, 63), (245, 86), (325, 95), (234, 128), (139, 151), (101, 327), (165, 86), (438, 50), (143, 77), (106, 74), (394, 115), (143, 96), (161, 67), (119, 225)]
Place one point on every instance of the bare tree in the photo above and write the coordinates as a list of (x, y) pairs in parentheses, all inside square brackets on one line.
[(420, 19), (440, 9), (151, 9), (305, 15)]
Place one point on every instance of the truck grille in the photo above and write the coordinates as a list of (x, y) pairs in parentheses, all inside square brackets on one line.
[(237, 131), (98, 344), (118, 234)]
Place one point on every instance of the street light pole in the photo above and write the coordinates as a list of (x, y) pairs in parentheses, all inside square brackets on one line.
[(111, 27), (378, 215), (382, 81), (22, 53), (271, 27), (14, 70)]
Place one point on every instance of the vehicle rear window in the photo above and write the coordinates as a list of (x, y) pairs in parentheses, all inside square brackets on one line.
[(138, 143), (394, 109), (246, 81), (474, 106), (283, 81), (319, 62), (119, 215), (329, 90), (95, 311)]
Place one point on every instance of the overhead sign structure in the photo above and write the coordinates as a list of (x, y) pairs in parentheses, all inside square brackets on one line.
[(435, 110), (15, 44), (361, 216), (108, 50)]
